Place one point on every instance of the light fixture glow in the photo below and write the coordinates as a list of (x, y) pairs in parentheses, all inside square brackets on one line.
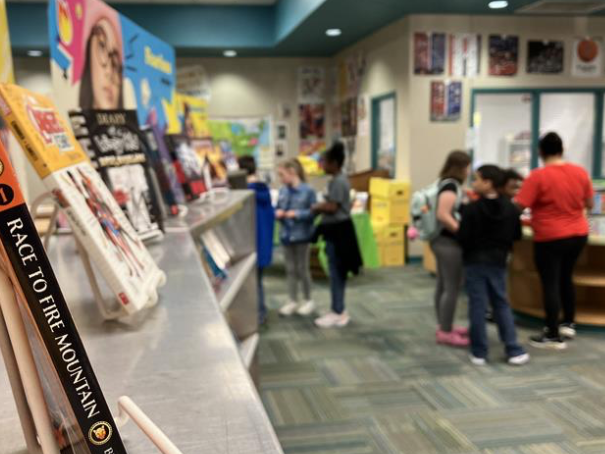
[(230, 53), (498, 4), (34, 53), (333, 32)]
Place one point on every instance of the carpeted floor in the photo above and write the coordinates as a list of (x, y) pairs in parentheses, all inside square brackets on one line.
[(382, 385)]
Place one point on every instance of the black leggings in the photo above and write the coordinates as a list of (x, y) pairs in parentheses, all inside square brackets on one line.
[(556, 261)]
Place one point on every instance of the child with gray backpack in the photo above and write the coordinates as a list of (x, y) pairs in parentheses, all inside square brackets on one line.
[(436, 217)]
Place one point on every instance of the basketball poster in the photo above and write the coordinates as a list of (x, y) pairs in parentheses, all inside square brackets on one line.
[(587, 57)]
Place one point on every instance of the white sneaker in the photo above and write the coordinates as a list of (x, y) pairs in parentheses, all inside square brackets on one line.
[(288, 309), (477, 361), (333, 320), (568, 330), (306, 308), (519, 360)]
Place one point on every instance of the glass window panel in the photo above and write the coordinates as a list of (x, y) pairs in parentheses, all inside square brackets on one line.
[(572, 116), (502, 130)]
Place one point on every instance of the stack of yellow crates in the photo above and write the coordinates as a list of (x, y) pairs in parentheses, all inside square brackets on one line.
[(390, 213)]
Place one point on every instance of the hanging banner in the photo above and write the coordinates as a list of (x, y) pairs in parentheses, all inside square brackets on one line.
[(587, 57), (102, 60), (503, 55), (464, 55), (446, 101), (95, 217), (312, 121), (115, 145), (545, 57), (429, 53), (311, 84)]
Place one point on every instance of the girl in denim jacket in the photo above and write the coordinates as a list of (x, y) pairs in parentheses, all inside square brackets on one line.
[(296, 198)]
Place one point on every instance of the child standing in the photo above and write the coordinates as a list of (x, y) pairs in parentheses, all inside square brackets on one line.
[(488, 229), (265, 222), (294, 212), (339, 233)]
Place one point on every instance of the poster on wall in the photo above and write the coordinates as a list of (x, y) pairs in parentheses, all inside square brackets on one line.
[(102, 60), (464, 55), (189, 117), (348, 117), (114, 143), (312, 121), (429, 53), (311, 84), (545, 57), (312, 147), (503, 55), (446, 101), (363, 115), (245, 136), (587, 58), (95, 217)]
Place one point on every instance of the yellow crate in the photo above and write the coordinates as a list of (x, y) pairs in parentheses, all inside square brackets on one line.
[(390, 189), (390, 211), (388, 234), (392, 255)]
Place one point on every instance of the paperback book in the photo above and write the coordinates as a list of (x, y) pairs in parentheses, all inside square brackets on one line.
[(115, 145), (94, 215), (188, 165), (81, 419)]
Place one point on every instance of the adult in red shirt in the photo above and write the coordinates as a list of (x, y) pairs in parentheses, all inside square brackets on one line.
[(558, 195)]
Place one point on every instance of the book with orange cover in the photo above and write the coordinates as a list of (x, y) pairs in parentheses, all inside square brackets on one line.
[(81, 418), (94, 215)]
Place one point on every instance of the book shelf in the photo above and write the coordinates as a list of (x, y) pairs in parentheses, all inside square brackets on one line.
[(589, 279), (187, 362)]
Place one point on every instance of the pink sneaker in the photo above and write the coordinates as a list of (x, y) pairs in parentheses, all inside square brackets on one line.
[(452, 338), (463, 331)]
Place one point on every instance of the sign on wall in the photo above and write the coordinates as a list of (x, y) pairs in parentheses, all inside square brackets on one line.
[(102, 60), (446, 100), (503, 55), (545, 57), (429, 53), (464, 54), (587, 58)]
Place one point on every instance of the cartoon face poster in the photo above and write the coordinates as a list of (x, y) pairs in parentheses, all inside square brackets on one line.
[(102, 60)]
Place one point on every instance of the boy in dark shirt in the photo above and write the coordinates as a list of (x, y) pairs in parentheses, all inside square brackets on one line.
[(488, 229)]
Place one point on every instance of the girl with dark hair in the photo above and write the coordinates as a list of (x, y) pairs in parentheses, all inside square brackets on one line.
[(447, 250), (558, 195), (101, 84)]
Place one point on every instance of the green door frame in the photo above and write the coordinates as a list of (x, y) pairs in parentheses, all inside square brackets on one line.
[(535, 93), (376, 127)]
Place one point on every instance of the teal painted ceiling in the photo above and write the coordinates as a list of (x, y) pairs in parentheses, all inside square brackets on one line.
[(286, 28)]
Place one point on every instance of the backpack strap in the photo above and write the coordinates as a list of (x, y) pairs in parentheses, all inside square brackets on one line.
[(459, 192)]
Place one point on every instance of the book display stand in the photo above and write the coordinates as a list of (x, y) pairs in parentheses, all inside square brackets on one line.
[(27, 388)]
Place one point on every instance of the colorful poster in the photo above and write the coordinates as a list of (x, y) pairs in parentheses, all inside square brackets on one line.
[(81, 418), (311, 84), (190, 117), (446, 101), (312, 121), (587, 57), (252, 136), (545, 57), (312, 147), (429, 53), (464, 55), (503, 55), (212, 160), (114, 143), (102, 60), (95, 217)]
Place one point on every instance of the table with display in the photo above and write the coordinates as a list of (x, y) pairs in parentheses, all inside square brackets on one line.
[(589, 278), (180, 361)]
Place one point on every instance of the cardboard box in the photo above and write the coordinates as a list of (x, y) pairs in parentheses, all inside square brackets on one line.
[(392, 255), (390, 211), (390, 240), (390, 189), (388, 234)]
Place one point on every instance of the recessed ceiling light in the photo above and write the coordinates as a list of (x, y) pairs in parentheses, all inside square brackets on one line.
[(34, 53), (230, 53), (498, 4), (333, 32)]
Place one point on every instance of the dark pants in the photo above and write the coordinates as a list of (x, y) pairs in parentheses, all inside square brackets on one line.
[(262, 308), (484, 284), (337, 281), (556, 261)]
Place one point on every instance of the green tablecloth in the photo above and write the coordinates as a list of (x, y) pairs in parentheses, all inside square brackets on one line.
[(365, 238)]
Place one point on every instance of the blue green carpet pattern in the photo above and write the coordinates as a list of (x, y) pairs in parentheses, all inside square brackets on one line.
[(382, 385)]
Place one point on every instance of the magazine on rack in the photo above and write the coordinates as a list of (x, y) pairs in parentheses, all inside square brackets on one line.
[(81, 419), (95, 216), (189, 167), (114, 143)]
